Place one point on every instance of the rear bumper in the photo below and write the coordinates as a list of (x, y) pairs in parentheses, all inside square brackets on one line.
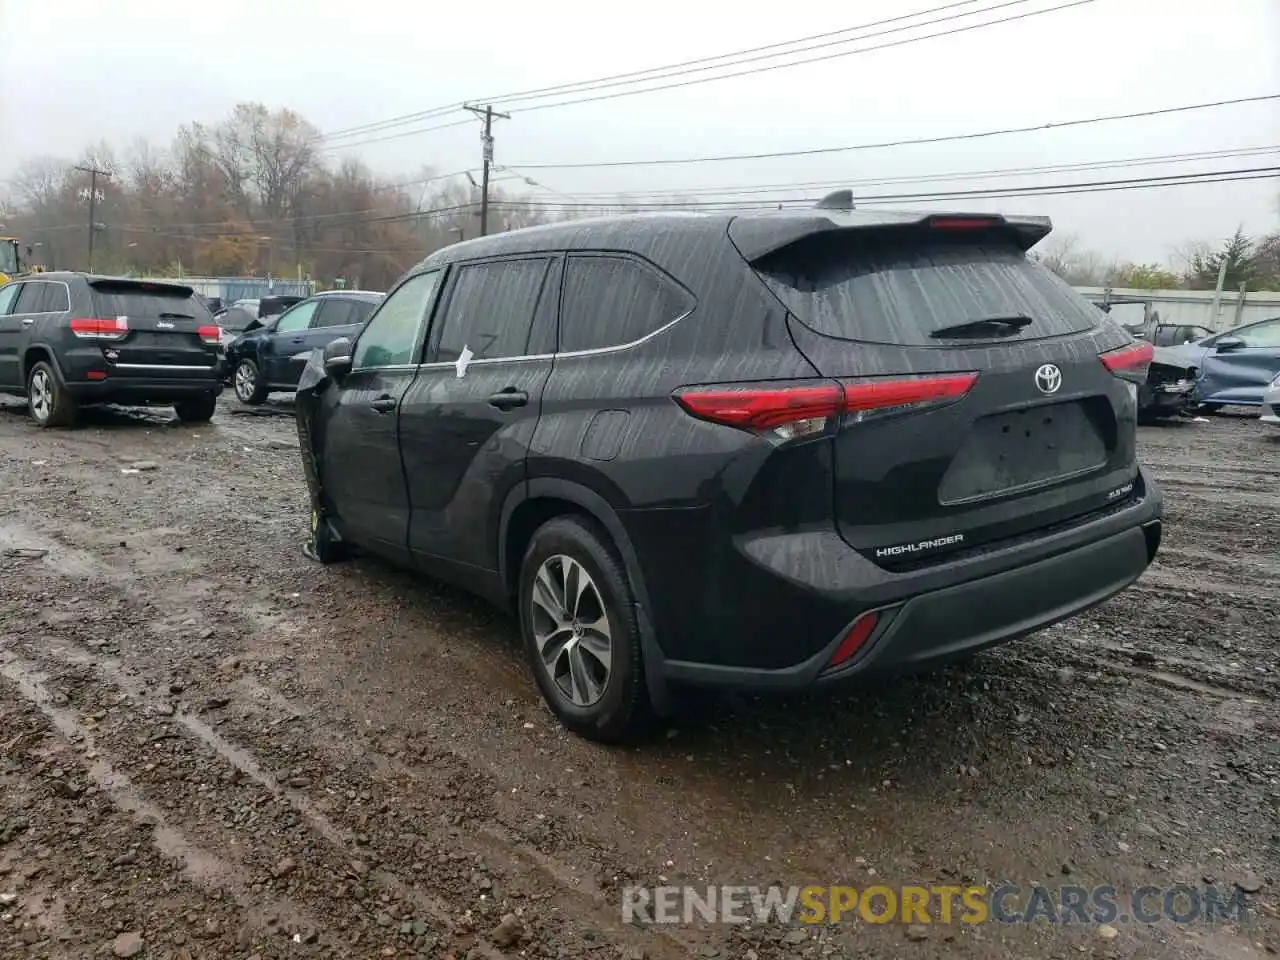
[(142, 390), (935, 615)]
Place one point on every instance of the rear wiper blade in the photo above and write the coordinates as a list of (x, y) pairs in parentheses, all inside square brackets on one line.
[(986, 326), (175, 316)]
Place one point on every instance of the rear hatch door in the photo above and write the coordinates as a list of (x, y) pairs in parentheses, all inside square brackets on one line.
[(977, 407), (162, 329)]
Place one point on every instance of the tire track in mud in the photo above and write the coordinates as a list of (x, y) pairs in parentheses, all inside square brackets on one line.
[(438, 783)]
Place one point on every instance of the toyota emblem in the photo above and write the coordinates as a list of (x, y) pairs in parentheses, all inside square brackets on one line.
[(1048, 378)]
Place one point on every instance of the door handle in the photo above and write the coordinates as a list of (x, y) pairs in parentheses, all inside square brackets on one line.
[(296, 340), (28, 321), (508, 399), (384, 404)]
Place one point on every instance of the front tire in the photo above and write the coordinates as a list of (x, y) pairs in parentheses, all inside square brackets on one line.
[(47, 398), (248, 383), (197, 409), (581, 636)]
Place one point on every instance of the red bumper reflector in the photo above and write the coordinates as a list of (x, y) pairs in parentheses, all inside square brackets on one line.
[(1127, 358), (96, 375), (857, 635)]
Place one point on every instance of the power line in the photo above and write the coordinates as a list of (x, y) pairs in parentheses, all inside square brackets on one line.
[(828, 56), (749, 189), (1097, 186), (446, 109), (585, 85), (699, 64), (886, 144)]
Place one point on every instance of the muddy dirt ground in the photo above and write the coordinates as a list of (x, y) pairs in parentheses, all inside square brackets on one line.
[(211, 747)]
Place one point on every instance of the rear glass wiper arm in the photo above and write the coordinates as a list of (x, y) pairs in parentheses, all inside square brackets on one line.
[(175, 316), (983, 327)]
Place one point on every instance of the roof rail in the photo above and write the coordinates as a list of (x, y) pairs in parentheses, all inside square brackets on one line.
[(837, 200)]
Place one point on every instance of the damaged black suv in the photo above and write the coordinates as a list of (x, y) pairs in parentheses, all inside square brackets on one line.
[(764, 451)]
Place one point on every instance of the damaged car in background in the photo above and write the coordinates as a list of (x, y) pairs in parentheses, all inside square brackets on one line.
[(1169, 390)]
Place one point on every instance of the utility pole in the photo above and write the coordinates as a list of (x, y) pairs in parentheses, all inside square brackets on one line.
[(486, 138), (94, 173)]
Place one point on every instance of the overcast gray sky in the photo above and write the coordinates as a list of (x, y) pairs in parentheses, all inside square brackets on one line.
[(76, 71)]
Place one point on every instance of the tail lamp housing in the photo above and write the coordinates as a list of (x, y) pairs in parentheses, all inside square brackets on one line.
[(791, 410), (100, 328), (1130, 362)]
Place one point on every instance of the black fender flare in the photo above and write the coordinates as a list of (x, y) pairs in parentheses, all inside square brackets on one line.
[(50, 355), (599, 508)]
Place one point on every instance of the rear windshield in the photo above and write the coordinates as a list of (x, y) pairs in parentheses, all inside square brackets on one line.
[(147, 301), (902, 290)]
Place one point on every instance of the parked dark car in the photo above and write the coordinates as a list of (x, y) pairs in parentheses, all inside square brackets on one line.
[(270, 354), (68, 339), (1236, 366), (764, 451)]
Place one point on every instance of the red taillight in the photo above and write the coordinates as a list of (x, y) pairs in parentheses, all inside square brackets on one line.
[(805, 408), (877, 395), (100, 328), (210, 334), (763, 408), (963, 223), (857, 634), (1130, 362)]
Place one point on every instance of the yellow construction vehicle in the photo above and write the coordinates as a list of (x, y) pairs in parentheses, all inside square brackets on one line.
[(11, 260)]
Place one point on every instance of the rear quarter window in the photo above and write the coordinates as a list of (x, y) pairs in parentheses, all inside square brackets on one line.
[(610, 301), (900, 291)]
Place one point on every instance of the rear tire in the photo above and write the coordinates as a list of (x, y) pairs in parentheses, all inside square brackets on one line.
[(248, 383), (47, 398), (197, 409), (585, 653)]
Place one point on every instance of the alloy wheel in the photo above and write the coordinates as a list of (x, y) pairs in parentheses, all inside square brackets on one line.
[(246, 381), (41, 392), (571, 630)]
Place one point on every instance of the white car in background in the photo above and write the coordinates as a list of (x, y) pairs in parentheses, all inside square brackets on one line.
[(1271, 403)]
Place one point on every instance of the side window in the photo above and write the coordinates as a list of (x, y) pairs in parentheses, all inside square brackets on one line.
[(56, 299), (392, 334), (360, 311), (490, 310), (8, 297), (332, 313), (31, 298), (609, 301), (298, 318), (1262, 335)]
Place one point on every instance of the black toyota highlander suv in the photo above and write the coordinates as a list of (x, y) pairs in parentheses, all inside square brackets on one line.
[(68, 339), (764, 451)]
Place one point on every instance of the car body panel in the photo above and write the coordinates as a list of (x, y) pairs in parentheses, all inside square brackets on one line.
[(749, 556), (158, 358), (1271, 403), (281, 355), (1236, 375)]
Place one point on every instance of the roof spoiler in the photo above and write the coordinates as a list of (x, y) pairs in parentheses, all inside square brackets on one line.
[(130, 284), (836, 200), (758, 236)]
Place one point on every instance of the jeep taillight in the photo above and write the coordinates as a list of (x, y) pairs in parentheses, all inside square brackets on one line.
[(210, 334), (804, 408), (1130, 362), (100, 328)]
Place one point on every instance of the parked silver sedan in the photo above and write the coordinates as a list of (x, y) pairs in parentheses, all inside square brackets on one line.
[(1271, 403)]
